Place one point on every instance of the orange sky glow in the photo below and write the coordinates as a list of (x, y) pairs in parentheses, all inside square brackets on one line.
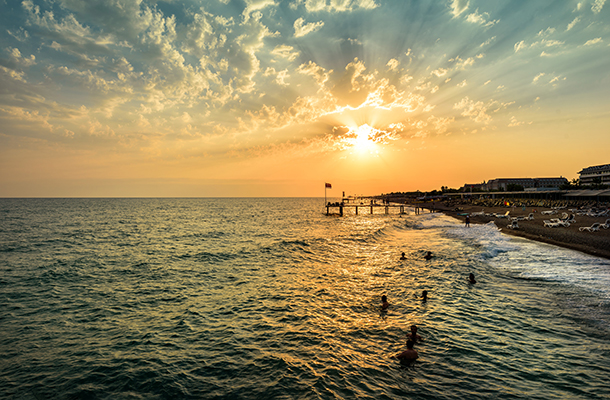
[(273, 98)]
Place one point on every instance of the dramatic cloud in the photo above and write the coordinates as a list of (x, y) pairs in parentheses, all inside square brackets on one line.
[(197, 87), (302, 29)]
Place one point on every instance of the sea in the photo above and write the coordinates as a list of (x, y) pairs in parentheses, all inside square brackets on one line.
[(270, 298)]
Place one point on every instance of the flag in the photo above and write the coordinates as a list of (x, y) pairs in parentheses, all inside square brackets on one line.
[(328, 185)]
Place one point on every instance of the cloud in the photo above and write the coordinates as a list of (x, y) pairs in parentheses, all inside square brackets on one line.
[(462, 64), (393, 64), (547, 43), (488, 41), (18, 59), (537, 77), (318, 73), (301, 29), (547, 32), (593, 41), (573, 23), (285, 51), (481, 19), (459, 6), (597, 6), (255, 6), (520, 46), (335, 5), (440, 72), (477, 111), (514, 122), (12, 74)]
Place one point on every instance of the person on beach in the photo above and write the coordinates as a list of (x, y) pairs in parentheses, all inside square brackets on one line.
[(471, 278), (424, 296), (413, 336), (428, 256), (409, 354), (403, 257), (468, 221), (384, 302)]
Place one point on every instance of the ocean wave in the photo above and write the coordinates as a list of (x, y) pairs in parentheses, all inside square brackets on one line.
[(292, 309)]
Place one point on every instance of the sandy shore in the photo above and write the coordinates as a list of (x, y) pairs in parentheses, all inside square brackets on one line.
[(594, 243)]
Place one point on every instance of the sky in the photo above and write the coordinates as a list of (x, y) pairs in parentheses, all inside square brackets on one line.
[(273, 98)]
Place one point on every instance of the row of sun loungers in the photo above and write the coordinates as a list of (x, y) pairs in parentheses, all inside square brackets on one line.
[(593, 213), (565, 220), (555, 223), (530, 217), (596, 226)]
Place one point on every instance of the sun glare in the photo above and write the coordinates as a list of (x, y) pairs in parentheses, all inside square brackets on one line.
[(363, 138)]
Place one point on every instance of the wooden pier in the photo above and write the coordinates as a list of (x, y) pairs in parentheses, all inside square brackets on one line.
[(360, 203), (370, 204)]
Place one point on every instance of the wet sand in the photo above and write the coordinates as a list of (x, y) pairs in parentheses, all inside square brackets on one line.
[(594, 243)]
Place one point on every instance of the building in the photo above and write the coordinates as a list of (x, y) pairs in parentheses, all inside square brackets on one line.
[(595, 174), (502, 184)]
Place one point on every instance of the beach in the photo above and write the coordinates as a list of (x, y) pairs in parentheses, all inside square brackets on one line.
[(594, 243)]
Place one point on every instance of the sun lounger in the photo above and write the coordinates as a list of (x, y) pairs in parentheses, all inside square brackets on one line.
[(606, 225), (513, 224), (593, 228), (530, 217), (556, 223), (503, 215)]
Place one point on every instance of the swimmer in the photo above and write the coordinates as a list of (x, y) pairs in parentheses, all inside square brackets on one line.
[(424, 296), (409, 354), (403, 257), (384, 302), (471, 278), (413, 336), (428, 256)]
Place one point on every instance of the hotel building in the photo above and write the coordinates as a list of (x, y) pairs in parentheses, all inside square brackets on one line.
[(599, 173)]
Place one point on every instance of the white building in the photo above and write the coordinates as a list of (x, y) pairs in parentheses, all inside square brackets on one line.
[(599, 173), (527, 183)]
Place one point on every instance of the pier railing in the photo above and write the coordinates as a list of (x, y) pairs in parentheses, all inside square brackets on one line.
[(370, 204)]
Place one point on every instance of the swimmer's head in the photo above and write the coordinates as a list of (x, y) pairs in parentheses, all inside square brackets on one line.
[(409, 344), (384, 298)]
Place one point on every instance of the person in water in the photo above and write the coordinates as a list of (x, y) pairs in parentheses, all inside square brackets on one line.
[(424, 296), (413, 336), (384, 302), (428, 255), (403, 257), (471, 278), (409, 354)]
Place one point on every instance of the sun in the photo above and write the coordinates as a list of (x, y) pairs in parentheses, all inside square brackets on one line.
[(363, 138)]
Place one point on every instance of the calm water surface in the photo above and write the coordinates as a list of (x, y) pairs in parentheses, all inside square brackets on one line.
[(271, 299)]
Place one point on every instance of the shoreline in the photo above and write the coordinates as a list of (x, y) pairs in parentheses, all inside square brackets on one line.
[(593, 243)]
